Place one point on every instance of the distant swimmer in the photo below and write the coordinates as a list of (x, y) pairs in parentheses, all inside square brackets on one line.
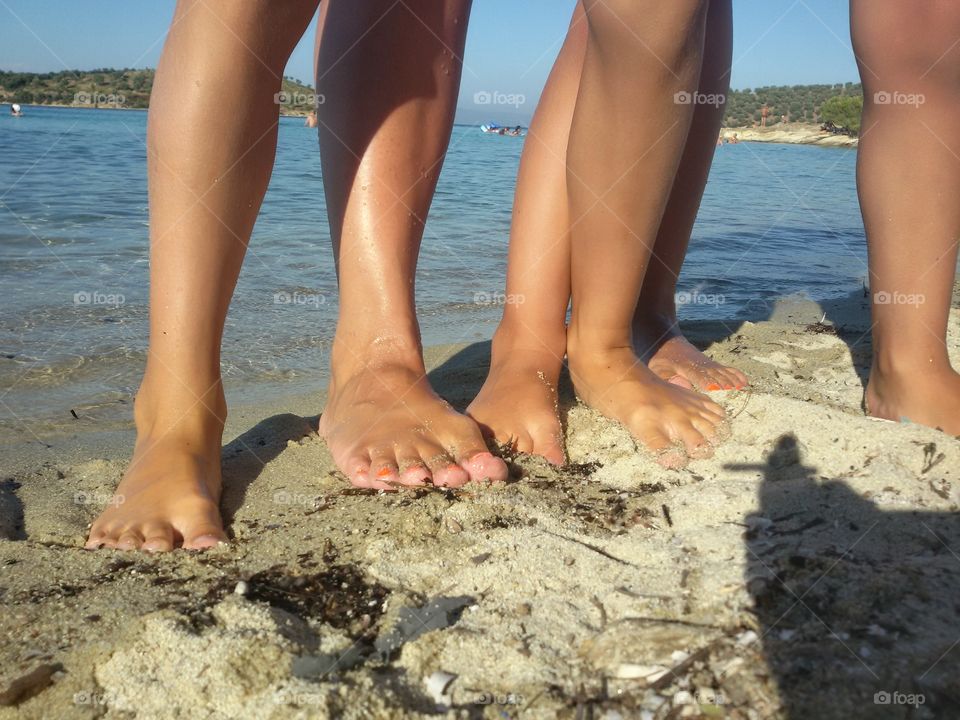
[(15, 110), (311, 121)]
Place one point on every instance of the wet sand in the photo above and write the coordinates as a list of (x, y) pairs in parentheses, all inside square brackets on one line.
[(813, 563)]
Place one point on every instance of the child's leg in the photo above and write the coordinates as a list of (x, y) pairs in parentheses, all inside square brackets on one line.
[(518, 400), (211, 141), (627, 137), (657, 336), (390, 79), (909, 179)]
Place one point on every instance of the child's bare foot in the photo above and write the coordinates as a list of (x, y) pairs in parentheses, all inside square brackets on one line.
[(672, 421), (385, 426), (925, 397), (517, 404), (170, 493), (671, 356)]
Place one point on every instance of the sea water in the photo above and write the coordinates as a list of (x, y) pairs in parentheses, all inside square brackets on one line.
[(775, 220)]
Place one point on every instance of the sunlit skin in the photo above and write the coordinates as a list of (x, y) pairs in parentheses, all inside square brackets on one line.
[(908, 177), (208, 172), (518, 402)]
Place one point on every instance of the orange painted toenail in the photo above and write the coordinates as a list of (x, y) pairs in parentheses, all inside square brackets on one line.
[(713, 386), (383, 472)]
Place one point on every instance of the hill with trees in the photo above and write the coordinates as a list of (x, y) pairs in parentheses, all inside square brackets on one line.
[(130, 88), (110, 88), (798, 103)]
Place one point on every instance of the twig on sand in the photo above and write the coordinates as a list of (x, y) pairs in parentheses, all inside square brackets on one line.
[(596, 549)]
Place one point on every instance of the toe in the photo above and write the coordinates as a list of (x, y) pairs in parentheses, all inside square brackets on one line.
[(547, 444), (203, 537), (449, 474), (667, 452), (357, 470), (383, 467), (680, 380), (129, 539), (413, 471), (522, 442), (95, 539), (482, 465), (157, 537)]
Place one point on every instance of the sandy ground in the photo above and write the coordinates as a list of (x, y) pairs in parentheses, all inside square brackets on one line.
[(809, 570), (792, 133)]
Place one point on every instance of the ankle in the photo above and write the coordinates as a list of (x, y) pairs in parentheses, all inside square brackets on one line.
[(164, 409), (512, 339), (352, 356), (905, 370)]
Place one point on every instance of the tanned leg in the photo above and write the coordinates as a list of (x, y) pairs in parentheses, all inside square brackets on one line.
[(211, 140), (908, 175), (628, 134), (389, 73)]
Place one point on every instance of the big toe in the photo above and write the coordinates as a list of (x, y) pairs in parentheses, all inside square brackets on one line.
[(482, 465), (547, 444)]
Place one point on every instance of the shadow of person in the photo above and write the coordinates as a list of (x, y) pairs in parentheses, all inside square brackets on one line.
[(858, 609), (243, 458), (11, 512)]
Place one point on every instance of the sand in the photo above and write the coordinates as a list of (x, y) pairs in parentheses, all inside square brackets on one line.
[(813, 563), (793, 134)]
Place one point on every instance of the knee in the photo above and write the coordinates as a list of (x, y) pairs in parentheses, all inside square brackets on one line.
[(903, 45), (631, 29)]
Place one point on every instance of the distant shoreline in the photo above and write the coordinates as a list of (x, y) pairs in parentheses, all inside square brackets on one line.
[(791, 134), (284, 113)]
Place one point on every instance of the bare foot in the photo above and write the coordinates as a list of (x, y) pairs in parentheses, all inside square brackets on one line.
[(170, 493), (671, 356), (672, 421), (385, 426), (517, 404), (922, 397)]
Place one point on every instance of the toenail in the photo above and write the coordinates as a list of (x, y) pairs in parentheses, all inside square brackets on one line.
[(713, 386), (383, 472)]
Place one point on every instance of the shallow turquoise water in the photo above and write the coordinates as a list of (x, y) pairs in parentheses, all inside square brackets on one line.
[(776, 219)]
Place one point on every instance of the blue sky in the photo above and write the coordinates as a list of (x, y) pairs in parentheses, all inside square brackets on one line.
[(511, 46)]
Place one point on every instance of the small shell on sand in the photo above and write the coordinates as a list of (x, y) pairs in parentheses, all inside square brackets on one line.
[(438, 686)]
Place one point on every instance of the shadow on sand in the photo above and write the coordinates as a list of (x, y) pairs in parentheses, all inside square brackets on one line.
[(859, 608)]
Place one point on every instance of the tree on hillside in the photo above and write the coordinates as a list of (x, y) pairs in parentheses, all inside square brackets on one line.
[(843, 111)]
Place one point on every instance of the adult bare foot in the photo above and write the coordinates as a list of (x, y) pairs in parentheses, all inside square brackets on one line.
[(517, 404), (675, 423), (386, 427), (659, 342), (921, 396), (170, 494)]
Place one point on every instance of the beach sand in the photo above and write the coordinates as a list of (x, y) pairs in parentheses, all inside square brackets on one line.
[(812, 563)]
